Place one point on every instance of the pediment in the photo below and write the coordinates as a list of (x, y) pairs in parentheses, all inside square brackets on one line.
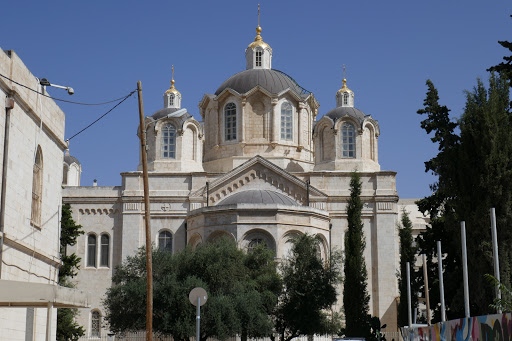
[(259, 173)]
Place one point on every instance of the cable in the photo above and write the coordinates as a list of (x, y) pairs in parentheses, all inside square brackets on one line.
[(59, 99), (105, 114)]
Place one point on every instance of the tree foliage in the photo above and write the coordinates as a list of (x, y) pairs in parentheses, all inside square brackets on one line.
[(355, 292), (407, 254), (473, 169), (309, 290), (242, 292), (67, 327)]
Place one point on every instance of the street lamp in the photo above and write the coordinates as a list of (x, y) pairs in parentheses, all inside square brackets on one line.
[(45, 82)]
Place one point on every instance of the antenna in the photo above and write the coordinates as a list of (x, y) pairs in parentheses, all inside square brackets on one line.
[(258, 14)]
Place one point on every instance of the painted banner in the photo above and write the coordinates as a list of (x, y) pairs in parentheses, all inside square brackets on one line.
[(479, 328)]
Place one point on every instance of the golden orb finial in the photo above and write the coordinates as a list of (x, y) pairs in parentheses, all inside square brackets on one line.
[(172, 89), (344, 87), (258, 40)]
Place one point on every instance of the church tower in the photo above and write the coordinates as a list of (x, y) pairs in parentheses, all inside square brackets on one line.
[(172, 97)]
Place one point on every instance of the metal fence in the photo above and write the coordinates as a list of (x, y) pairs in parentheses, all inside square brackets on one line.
[(141, 336)]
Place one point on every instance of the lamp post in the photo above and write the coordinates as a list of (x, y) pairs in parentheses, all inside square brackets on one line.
[(44, 82)]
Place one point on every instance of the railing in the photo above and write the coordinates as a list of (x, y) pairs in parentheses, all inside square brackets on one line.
[(141, 336)]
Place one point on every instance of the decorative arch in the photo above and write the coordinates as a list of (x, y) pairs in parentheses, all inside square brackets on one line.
[(258, 236), (37, 187), (323, 247), (195, 240), (287, 242), (215, 235)]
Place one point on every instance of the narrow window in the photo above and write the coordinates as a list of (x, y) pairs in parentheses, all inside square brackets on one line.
[(105, 250), (286, 121), (37, 188), (345, 98), (65, 174), (95, 324), (258, 57), (348, 142), (165, 241), (230, 122), (171, 99), (169, 141), (91, 250)]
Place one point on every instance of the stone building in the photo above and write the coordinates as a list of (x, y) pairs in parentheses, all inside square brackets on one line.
[(31, 152), (261, 167)]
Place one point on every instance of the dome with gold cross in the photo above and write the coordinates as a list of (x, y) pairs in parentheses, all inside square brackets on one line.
[(172, 97)]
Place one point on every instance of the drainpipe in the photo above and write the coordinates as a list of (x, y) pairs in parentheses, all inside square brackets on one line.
[(9, 105), (307, 192), (207, 194)]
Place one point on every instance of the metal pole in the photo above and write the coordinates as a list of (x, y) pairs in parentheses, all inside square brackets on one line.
[(49, 312), (149, 260), (198, 319), (425, 280), (465, 267), (495, 253), (409, 316), (441, 284)]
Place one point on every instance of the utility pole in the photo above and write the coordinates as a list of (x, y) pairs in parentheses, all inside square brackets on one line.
[(149, 260)]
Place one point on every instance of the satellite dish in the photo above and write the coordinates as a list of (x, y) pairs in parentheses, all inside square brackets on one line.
[(198, 295)]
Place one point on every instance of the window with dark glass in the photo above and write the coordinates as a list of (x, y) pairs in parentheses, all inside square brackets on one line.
[(95, 324), (171, 99), (258, 57), (345, 98), (348, 142), (165, 241), (169, 141), (230, 122), (91, 250), (105, 250)]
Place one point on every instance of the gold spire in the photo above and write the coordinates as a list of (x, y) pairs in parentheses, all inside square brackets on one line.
[(258, 40), (172, 89), (344, 87)]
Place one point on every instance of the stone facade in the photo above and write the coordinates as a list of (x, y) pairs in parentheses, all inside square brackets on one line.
[(259, 168), (30, 222)]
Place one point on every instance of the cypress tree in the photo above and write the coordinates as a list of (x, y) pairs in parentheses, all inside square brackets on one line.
[(407, 253), (355, 292)]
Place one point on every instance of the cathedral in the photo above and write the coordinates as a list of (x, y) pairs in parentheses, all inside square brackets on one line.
[(262, 166)]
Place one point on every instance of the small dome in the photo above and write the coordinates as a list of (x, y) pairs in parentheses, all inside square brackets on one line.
[(344, 88), (258, 41), (258, 197), (274, 81), (68, 159), (340, 112), (172, 89)]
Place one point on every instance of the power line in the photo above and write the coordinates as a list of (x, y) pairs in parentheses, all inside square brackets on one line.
[(105, 114), (64, 100)]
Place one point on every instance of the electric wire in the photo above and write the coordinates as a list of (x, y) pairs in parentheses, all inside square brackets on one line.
[(60, 99), (105, 114)]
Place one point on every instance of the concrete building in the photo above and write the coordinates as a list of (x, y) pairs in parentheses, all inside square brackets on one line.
[(262, 166), (32, 145)]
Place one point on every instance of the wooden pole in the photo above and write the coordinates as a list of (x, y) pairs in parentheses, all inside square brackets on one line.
[(149, 261)]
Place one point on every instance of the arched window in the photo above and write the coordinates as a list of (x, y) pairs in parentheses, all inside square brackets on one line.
[(105, 250), (286, 121), (65, 174), (259, 55), (171, 99), (345, 98), (91, 250), (348, 140), (254, 243), (37, 188), (230, 122), (169, 141), (95, 324), (165, 241)]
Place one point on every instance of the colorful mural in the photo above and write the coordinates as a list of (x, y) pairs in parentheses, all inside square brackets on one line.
[(480, 328)]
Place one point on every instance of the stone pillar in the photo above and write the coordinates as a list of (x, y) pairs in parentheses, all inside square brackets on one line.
[(242, 120), (274, 126), (300, 114)]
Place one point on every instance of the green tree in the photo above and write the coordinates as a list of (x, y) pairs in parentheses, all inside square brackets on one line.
[(309, 290), (242, 291), (355, 292), (474, 170), (407, 254), (505, 67), (67, 328)]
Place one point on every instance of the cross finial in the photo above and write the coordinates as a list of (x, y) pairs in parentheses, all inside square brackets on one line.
[(343, 71), (172, 72), (258, 14)]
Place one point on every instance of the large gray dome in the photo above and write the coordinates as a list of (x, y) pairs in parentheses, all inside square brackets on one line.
[(340, 112), (258, 197), (274, 81)]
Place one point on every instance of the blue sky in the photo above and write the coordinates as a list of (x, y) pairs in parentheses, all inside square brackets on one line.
[(390, 48)]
